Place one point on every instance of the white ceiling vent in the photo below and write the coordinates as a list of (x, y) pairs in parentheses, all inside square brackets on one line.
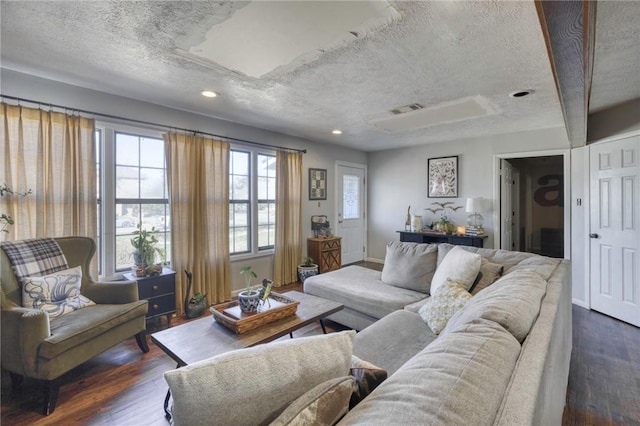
[(448, 112), (406, 108)]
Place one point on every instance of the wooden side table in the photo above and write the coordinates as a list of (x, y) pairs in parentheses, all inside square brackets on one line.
[(326, 252), (160, 291)]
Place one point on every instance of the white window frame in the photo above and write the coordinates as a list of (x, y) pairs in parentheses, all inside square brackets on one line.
[(107, 249), (254, 251)]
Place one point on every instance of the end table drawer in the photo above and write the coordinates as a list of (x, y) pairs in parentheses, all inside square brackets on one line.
[(330, 245), (156, 287), (161, 305)]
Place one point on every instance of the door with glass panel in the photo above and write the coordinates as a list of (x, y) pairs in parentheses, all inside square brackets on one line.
[(351, 214)]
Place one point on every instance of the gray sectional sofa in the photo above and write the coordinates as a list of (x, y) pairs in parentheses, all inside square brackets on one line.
[(502, 359)]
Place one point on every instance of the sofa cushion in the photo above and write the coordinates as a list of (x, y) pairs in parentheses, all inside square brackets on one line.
[(513, 302), (410, 265), (80, 326), (489, 273), (460, 266), (506, 258), (543, 266), (367, 377), (393, 340), (265, 378), (361, 289), (448, 299), (325, 404), (459, 379), (56, 294)]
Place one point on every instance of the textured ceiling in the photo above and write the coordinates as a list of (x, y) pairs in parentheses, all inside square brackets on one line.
[(435, 53)]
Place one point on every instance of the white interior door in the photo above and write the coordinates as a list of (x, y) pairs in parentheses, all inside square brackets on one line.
[(351, 215), (506, 207), (615, 229)]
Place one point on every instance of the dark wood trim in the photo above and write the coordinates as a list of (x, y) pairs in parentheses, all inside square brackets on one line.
[(568, 27)]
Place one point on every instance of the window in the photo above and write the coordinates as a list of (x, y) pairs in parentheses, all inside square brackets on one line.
[(132, 192), (252, 201)]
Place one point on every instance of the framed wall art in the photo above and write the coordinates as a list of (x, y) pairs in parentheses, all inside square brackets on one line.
[(317, 184), (442, 178)]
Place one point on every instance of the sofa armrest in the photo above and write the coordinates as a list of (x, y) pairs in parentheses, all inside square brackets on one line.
[(113, 292), (23, 330)]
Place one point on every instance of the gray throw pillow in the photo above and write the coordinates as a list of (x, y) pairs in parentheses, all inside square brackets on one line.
[(410, 265)]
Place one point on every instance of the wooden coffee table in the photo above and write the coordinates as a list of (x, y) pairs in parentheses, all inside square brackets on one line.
[(204, 338)]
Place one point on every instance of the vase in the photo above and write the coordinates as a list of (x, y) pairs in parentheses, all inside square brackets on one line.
[(249, 300), (305, 272)]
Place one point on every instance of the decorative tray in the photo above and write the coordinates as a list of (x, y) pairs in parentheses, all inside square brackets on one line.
[(228, 313)]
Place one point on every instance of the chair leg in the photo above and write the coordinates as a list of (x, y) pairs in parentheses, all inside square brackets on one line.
[(51, 389), (141, 339), (16, 381)]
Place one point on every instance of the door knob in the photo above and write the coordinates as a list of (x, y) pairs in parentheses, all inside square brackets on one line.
[(594, 236)]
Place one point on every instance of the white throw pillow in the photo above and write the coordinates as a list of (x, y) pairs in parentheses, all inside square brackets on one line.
[(458, 265), (57, 294)]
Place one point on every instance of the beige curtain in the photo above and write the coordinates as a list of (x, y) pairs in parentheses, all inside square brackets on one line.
[(198, 178), (53, 154), (288, 246)]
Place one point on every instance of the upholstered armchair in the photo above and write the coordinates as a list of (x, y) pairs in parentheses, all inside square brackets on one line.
[(39, 347)]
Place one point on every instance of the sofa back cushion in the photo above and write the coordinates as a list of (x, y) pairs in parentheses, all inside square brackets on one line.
[(410, 265), (254, 385), (459, 379), (513, 302)]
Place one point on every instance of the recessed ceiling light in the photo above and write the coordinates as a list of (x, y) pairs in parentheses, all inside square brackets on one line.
[(209, 94), (520, 93), (337, 132)]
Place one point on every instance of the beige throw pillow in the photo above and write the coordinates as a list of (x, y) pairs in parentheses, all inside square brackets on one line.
[(325, 404), (410, 265), (460, 266), (446, 301)]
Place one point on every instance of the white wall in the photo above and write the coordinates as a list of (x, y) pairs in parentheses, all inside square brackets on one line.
[(398, 178), (318, 155)]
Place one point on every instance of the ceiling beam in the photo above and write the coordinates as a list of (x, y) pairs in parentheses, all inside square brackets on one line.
[(568, 27)]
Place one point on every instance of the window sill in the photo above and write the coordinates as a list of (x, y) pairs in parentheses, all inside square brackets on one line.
[(245, 256)]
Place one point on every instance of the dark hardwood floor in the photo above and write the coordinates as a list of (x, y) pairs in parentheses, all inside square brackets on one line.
[(123, 386)]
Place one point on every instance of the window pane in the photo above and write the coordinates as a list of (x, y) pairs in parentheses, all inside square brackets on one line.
[(351, 197), (152, 153), (127, 150), (127, 181), (239, 188), (124, 252), (152, 183), (239, 163), (271, 189)]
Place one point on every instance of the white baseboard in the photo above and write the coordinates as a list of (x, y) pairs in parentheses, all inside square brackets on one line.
[(374, 260), (580, 303)]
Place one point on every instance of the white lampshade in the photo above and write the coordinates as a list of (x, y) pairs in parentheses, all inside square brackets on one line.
[(474, 205)]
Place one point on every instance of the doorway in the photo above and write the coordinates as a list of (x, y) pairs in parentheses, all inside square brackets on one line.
[(532, 195), (350, 204)]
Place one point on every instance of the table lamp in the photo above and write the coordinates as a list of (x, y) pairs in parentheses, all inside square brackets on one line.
[(475, 220)]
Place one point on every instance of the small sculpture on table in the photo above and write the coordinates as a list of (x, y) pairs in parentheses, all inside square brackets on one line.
[(266, 291)]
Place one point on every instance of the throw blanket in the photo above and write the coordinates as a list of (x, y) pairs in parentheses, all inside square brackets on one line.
[(34, 257)]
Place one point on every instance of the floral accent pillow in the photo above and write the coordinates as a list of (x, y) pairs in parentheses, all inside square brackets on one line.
[(57, 294), (446, 301)]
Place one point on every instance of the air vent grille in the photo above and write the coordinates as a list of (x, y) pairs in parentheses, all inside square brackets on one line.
[(406, 108)]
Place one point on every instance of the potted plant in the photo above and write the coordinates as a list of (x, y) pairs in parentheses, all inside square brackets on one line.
[(5, 219), (307, 268), (144, 242), (248, 299)]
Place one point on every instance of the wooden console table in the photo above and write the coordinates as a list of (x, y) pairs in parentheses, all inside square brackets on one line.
[(326, 252), (425, 237)]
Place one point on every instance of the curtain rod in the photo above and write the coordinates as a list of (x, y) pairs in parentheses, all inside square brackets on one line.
[(148, 123)]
